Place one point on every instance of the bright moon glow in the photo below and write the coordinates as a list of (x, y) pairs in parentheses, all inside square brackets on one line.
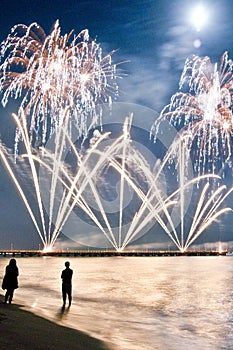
[(199, 17)]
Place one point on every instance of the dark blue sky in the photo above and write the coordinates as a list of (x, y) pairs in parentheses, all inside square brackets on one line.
[(154, 37)]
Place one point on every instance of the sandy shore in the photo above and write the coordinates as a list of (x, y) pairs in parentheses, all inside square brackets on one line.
[(21, 330)]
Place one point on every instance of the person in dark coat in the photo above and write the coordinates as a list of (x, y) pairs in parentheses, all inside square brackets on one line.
[(67, 283), (10, 280)]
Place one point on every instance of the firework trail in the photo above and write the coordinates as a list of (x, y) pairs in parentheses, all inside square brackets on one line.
[(204, 113), (51, 73)]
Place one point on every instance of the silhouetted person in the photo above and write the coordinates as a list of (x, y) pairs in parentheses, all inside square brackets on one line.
[(10, 280), (67, 283)]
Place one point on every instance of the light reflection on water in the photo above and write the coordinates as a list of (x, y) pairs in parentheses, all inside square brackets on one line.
[(136, 303)]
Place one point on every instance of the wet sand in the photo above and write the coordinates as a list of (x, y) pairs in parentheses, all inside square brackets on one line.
[(20, 330)]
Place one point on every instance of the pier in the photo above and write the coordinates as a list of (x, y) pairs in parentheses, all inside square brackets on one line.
[(107, 253)]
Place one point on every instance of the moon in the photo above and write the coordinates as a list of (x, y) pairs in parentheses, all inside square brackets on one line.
[(199, 17)]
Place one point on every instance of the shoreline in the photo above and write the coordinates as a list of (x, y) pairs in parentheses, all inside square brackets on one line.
[(110, 253), (21, 329)]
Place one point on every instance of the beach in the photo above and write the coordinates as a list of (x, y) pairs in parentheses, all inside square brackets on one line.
[(20, 330), (121, 303)]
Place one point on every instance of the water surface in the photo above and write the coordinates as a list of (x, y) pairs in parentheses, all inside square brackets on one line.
[(137, 303)]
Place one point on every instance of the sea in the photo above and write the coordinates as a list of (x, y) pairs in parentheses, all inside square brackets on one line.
[(136, 303)]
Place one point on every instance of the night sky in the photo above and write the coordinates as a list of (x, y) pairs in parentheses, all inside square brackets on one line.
[(153, 38)]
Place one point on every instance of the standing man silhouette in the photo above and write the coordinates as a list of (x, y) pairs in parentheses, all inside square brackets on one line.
[(66, 277)]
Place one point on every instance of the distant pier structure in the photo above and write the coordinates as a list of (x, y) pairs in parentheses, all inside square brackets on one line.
[(108, 253)]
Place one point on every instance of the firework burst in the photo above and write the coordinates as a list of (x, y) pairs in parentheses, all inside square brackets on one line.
[(51, 73), (204, 113)]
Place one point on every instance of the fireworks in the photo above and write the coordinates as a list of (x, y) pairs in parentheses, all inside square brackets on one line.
[(204, 113), (54, 72)]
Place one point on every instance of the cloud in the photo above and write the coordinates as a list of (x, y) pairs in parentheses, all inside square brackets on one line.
[(146, 84)]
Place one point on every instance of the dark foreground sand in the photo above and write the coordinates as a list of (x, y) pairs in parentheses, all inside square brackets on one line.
[(22, 330)]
